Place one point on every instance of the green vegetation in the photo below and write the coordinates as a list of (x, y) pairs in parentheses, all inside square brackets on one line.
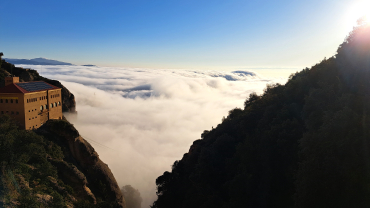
[(37, 169), (26, 172), (302, 144)]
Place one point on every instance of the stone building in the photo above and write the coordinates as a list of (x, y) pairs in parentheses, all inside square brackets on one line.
[(31, 104)]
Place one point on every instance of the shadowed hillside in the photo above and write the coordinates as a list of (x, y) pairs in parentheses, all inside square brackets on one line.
[(302, 144)]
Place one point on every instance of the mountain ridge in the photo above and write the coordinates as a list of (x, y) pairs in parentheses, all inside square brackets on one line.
[(36, 61), (303, 144)]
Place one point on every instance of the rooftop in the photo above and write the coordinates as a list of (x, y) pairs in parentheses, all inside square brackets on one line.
[(27, 87)]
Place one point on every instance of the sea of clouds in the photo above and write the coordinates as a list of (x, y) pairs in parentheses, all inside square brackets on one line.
[(142, 120)]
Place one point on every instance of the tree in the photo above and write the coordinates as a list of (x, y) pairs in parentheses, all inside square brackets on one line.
[(132, 197), (1, 54)]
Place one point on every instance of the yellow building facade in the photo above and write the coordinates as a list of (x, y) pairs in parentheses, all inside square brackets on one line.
[(31, 104)]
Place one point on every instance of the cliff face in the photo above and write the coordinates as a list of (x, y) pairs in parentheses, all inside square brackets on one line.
[(26, 75), (53, 167), (99, 183)]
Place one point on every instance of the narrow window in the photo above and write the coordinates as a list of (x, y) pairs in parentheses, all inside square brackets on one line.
[(16, 101), (11, 100), (58, 103), (51, 105), (29, 119), (2, 112), (17, 113), (29, 110), (41, 108), (1, 100), (6, 100), (12, 112), (55, 104), (45, 106), (27, 100)]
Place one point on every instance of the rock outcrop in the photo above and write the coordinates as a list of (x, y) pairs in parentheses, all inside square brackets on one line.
[(92, 179)]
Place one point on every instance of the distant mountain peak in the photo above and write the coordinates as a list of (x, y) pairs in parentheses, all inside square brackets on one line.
[(36, 61)]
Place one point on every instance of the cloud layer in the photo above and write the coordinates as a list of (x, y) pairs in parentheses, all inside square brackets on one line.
[(141, 120)]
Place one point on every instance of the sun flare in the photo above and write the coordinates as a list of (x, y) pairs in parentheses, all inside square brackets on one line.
[(359, 10)]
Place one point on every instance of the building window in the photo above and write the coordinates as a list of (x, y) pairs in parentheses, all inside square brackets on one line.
[(12, 112), (6, 100), (32, 109), (55, 104), (29, 119), (11, 100), (2, 112), (41, 107), (16, 101), (17, 113), (51, 105), (7, 112), (45, 107), (58, 103), (29, 110), (33, 118), (1, 100)]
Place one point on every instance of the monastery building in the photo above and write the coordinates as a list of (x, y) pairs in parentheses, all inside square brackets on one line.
[(31, 104)]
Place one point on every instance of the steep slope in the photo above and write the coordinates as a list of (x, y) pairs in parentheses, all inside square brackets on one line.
[(302, 144), (26, 75), (53, 167)]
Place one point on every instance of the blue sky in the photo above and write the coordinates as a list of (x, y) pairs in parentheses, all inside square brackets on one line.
[(200, 34)]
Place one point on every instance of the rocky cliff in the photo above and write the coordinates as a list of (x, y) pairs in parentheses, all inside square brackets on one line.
[(53, 167), (26, 75)]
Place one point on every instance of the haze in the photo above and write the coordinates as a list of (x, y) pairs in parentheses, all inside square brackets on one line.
[(168, 70)]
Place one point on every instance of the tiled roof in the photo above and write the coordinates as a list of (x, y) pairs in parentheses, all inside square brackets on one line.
[(27, 87)]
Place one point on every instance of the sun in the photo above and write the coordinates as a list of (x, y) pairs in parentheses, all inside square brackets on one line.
[(360, 9)]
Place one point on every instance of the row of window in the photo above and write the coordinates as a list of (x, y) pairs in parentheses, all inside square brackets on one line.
[(32, 118), (31, 100), (7, 101), (33, 127), (52, 105), (41, 98), (54, 96), (12, 112)]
